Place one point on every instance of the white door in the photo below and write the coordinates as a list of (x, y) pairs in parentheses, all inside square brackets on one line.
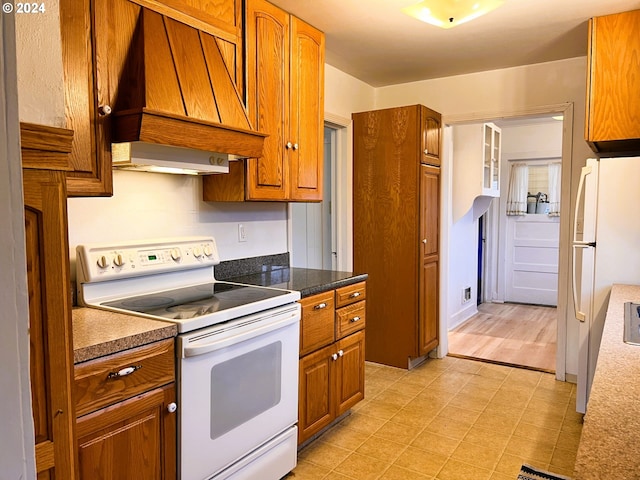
[(532, 259)]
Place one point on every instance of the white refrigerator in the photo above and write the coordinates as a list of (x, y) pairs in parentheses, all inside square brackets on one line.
[(606, 250)]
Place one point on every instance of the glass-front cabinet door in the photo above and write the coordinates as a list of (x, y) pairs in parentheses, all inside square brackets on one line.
[(491, 156)]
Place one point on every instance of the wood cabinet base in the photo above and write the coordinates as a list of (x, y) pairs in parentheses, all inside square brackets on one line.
[(135, 438)]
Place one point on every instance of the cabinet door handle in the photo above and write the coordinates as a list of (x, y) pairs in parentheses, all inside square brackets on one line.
[(124, 371), (354, 319), (104, 110), (295, 146), (340, 353), (426, 152), (354, 295), (424, 240), (320, 306), (172, 407), (334, 357), (289, 145)]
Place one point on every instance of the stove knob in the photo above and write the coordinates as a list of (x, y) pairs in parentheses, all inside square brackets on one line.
[(208, 251), (197, 252), (176, 255), (118, 261), (102, 262)]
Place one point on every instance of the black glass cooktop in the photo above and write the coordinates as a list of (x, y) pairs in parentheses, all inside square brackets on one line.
[(195, 301)]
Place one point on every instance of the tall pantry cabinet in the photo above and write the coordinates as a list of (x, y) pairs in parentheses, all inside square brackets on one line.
[(396, 205)]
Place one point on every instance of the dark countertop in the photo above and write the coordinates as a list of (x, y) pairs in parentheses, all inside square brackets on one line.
[(99, 332), (307, 281)]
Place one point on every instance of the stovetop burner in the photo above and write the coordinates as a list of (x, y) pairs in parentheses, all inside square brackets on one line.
[(194, 301)]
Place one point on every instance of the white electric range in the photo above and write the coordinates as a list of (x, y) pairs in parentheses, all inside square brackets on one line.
[(237, 351)]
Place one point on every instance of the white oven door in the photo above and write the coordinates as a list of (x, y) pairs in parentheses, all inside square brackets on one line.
[(238, 388)]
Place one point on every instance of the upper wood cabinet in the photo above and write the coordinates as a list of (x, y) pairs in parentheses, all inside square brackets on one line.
[(431, 128), (49, 283), (613, 110), (96, 38), (285, 84)]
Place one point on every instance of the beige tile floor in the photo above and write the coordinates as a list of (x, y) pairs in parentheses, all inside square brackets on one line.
[(449, 419)]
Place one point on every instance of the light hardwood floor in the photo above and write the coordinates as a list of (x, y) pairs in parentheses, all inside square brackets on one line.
[(513, 334)]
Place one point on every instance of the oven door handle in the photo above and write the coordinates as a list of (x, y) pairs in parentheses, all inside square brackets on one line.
[(274, 324)]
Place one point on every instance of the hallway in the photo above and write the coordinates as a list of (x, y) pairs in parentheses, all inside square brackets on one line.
[(511, 334)]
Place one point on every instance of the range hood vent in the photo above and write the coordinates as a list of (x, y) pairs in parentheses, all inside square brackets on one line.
[(176, 90)]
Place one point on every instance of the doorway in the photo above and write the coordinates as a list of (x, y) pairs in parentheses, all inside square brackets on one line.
[(313, 225), (517, 263)]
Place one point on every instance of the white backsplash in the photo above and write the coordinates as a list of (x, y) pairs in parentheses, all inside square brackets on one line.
[(151, 205)]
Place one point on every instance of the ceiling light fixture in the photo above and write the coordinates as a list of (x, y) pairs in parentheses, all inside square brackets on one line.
[(450, 13)]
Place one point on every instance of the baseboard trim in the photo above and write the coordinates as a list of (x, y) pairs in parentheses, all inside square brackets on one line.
[(463, 315)]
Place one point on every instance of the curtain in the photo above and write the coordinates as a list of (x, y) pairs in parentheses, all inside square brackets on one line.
[(554, 189), (517, 196)]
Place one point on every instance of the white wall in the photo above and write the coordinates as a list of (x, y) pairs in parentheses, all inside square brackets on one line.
[(463, 268), (148, 205), (496, 93), (40, 74)]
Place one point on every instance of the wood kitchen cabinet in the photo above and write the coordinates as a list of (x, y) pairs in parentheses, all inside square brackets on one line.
[(430, 136), (285, 67), (396, 205), (613, 111), (44, 152), (430, 271), (96, 36), (126, 422), (331, 357)]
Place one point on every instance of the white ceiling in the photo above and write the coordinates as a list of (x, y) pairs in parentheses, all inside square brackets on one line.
[(375, 42)]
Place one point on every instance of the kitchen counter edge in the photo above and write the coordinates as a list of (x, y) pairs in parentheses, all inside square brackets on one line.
[(97, 333), (307, 281), (609, 443)]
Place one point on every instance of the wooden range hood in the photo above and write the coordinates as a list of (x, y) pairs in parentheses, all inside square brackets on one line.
[(176, 90)]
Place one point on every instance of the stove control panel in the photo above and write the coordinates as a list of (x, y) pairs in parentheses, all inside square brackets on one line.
[(101, 262)]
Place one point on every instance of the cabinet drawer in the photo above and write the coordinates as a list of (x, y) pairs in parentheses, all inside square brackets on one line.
[(350, 319), (97, 383), (350, 294), (317, 326)]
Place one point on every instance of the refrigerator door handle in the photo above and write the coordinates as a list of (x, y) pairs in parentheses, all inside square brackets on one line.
[(583, 176), (576, 304)]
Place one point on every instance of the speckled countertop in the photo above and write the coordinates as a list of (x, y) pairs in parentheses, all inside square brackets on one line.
[(610, 442), (307, 281), (98, 332)]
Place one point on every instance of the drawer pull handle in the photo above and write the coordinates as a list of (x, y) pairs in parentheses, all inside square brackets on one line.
[(334, 357), (340, 353), (172, 407), (320, 306), (354, 295), (354, 319), (124, 372)]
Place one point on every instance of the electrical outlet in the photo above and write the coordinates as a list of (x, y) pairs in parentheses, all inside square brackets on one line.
[(466, 294), (242, 233)]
